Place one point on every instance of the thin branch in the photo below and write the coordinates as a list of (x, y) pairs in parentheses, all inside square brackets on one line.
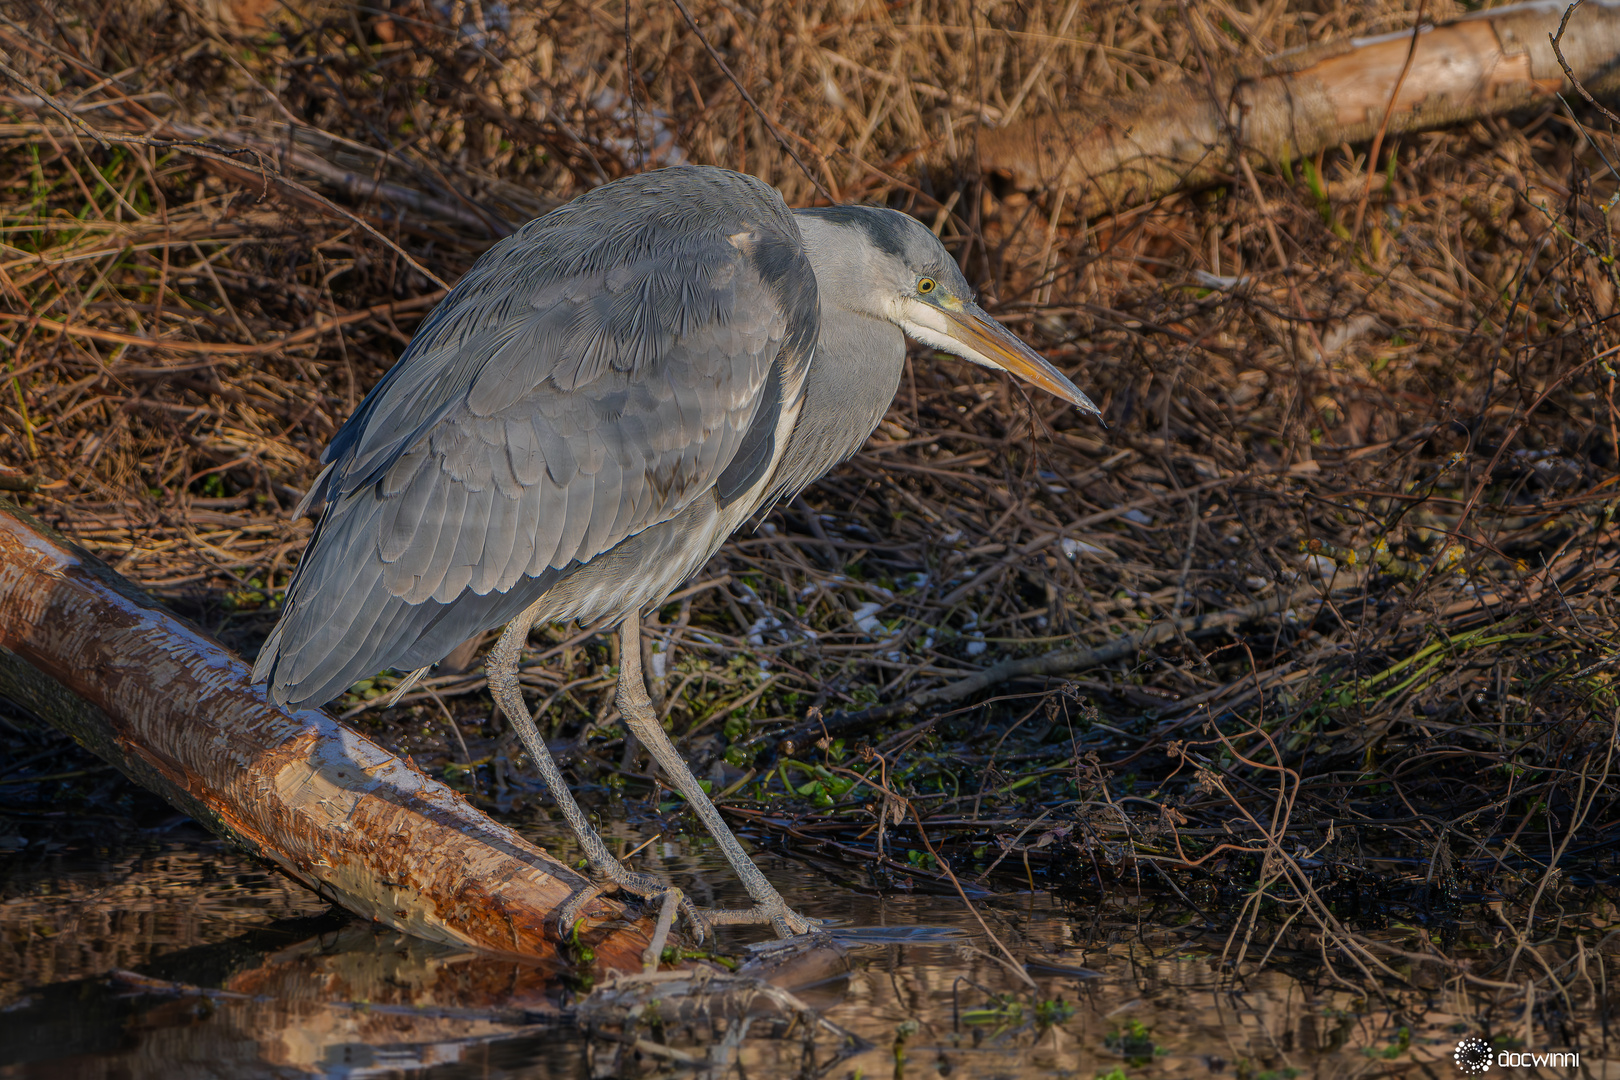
[(1570, 75), (1383, 124), (1012, 961), (768, 122)]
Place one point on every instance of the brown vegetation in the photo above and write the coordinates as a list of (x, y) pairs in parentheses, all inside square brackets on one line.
[(1406, 428)]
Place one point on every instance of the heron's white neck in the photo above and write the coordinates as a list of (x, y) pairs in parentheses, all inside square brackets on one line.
[(856, 367)]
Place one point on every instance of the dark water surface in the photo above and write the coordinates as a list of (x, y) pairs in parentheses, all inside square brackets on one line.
[(309, 992)]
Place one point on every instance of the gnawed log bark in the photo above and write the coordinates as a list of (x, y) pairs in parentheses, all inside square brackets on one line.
[(173, 710), (1180, 135)]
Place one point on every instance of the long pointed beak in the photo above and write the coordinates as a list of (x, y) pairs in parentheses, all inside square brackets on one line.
[(973, 327)]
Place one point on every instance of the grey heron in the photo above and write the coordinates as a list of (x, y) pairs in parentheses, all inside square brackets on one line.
[(584, 419)]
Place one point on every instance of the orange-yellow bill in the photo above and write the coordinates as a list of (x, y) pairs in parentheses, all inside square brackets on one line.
[(973, 327)]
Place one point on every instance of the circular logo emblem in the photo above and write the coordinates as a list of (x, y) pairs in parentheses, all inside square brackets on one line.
[(1473, 1056)]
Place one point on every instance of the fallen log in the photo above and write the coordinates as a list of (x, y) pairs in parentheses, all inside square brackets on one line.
[(1180, 135), (172, 709)]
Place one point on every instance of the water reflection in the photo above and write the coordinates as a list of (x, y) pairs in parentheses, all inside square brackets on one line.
[(242, 974)]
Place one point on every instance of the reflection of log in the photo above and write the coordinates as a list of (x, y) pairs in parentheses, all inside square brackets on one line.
[(1179, 135), (349, 998), (171, 708)]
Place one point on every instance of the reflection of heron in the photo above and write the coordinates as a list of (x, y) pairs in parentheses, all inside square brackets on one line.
[(582, 422)]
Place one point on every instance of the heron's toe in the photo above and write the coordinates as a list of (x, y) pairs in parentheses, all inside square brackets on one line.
[(789, 923), (644, 887), (778, 916)]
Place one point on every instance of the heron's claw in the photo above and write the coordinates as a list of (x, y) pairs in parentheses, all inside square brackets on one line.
[(790, 923), (616, 878)]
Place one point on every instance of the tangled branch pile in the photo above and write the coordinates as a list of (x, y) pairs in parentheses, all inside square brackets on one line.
[(1384, 444)]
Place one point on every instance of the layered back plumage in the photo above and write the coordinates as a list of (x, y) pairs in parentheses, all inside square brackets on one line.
[(593, 375)]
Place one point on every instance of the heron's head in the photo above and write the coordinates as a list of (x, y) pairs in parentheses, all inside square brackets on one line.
[(887, 265)]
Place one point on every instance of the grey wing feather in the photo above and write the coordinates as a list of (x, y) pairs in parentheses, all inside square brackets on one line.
[(590, 377), (469, 549)]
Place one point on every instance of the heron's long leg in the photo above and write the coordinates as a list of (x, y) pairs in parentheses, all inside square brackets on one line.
[(501, 669), (642, 721)]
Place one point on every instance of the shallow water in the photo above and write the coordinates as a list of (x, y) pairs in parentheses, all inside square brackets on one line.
[(299, 990)]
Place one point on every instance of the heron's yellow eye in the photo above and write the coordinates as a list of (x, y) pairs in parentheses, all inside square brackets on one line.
[(927, 285)]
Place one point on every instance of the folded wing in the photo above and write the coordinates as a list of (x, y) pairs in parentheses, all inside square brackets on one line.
[(590, 377)]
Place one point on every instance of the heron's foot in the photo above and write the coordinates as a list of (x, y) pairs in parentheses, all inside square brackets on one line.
[(781, 918), (616, 878)]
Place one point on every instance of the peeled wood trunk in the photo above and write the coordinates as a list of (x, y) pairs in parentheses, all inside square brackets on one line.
[(1121, 153), (172, 709)]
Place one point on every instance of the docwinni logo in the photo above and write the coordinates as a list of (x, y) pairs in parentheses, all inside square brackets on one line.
[(1473, 1056), (1521, 1060)]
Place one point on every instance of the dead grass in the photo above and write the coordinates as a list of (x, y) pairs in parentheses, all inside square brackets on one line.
[(1412, 437)]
